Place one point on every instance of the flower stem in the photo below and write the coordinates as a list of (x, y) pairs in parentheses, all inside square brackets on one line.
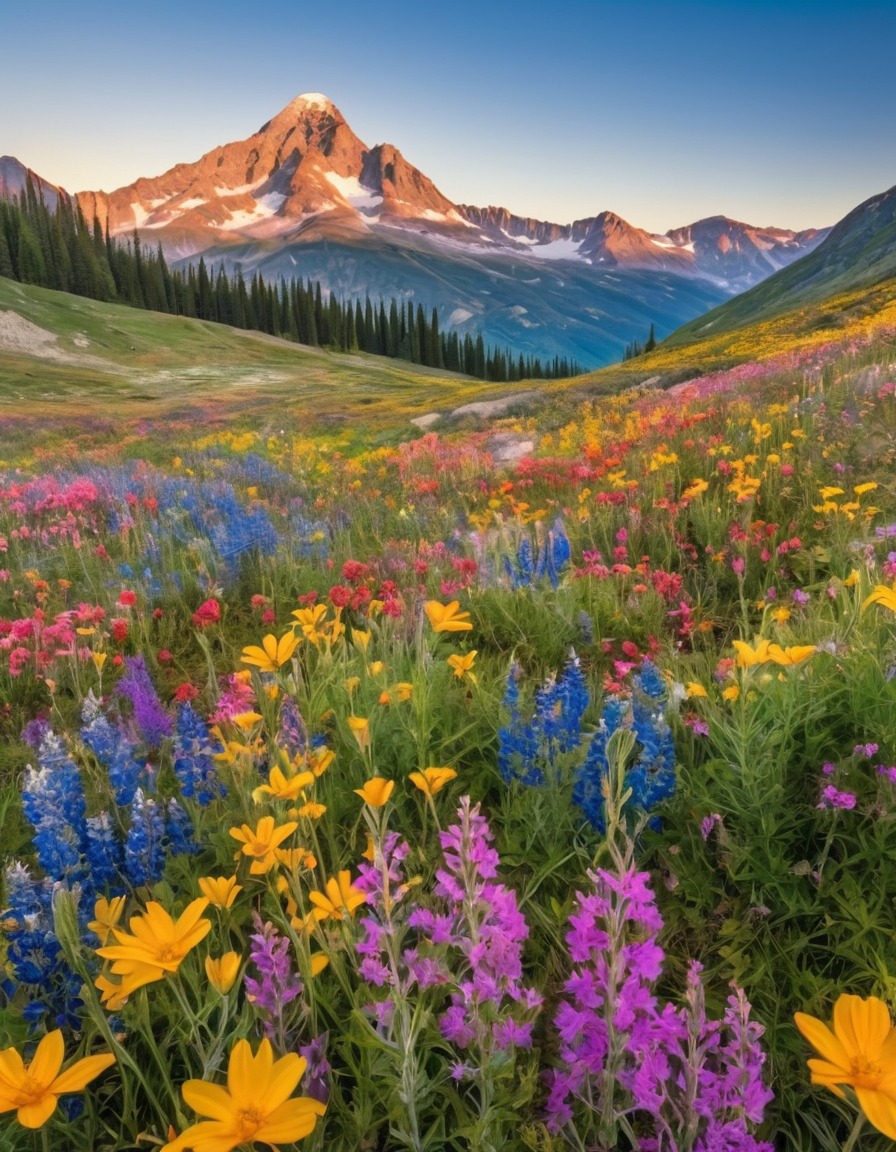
[(854, 1134)]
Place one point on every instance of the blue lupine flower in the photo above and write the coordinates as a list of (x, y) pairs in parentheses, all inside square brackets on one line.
[(652, 776), (551, 558), (144, 850), (104, 855), (293, 737), (587, 791), (113, 750), (194, 764), (54, 804), (33, 952), (181, 841), (528, 750)]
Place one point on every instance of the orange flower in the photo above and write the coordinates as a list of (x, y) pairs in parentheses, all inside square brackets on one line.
[(155, 946), (273, 654), (340, 899), (222, 973), (859, 1052), (447, 617), (33, 1091), (432, 780), (220, 890), (262, 842), (376, 792), (360, 727), (107, 913), (463, 665)]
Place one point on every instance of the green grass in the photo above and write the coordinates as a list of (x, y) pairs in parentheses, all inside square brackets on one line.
[(132, 363)]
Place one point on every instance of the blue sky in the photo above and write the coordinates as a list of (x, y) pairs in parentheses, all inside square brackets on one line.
[(771, 111)]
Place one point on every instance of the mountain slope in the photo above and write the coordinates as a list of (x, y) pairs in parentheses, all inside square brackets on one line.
[(61, 354), (858, 253), (14, 177), (304, 196)]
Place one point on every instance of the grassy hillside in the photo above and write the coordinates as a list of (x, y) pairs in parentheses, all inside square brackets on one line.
[(62, 354), (859, 254)]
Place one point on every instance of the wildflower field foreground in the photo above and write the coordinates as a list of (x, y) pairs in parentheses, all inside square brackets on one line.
[(530, 785)]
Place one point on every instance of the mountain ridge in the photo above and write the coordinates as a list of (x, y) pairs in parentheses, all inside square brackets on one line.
[(304, 174), (305, 196)]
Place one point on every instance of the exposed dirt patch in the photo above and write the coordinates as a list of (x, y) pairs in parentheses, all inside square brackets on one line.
[(20, 336)]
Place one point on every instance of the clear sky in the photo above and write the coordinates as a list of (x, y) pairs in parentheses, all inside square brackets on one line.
[(770, 111)]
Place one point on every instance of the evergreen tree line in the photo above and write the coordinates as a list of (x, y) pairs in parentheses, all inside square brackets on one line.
[(636, 348), (58, 249)]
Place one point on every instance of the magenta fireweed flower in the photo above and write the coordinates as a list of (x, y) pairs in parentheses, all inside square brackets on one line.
[(491, 1008), (689, 1083)]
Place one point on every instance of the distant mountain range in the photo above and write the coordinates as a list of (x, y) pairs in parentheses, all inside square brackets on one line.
[(304, 196), (859, 252)]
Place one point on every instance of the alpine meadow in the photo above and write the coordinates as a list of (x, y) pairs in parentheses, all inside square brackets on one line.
[(447, 657)]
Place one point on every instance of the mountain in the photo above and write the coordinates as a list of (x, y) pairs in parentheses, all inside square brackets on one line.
[(304, 196), (859, 252), (14, 178)]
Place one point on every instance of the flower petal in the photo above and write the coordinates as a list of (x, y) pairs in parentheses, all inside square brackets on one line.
[(207, 1136), (12, 1071), (291, 1121), (47, 1060), (862, 1025), (209, 1100), (880, 1110), (37, 1114), (823, 1040), (283, 1079), (242, 1075), (76, 1078)]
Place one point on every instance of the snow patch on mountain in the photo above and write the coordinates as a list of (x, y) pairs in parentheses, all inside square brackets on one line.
[(353, 191), (557, 250)]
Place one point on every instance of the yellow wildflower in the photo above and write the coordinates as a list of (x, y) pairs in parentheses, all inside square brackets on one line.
[(33, 1091), (273, 653), (376, 792), (256, 1105), (447, 617)]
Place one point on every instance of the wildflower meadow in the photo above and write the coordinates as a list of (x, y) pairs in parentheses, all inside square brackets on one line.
[(415, 795)]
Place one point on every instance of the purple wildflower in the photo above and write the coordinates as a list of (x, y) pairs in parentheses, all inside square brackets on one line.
[(694, 1083), (832, 797), (277, 984), (485, 931), (316, 1082), (708, 823), (152, 721)]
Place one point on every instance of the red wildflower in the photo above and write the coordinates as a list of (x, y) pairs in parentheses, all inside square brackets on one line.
[(340, 596), (127, 598), (354, 571), (207, 614), (185, 692), (119, 630)]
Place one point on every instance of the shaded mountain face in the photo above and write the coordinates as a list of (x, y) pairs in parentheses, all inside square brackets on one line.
[(14, 177), (858, 252), (304, 196)]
